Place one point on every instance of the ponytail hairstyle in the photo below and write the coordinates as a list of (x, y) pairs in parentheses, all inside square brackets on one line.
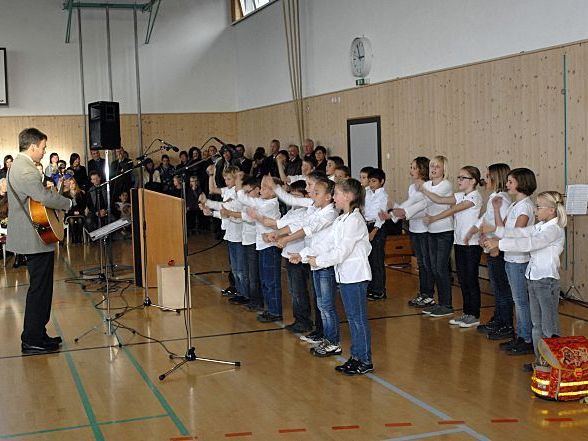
[(498, 174), (556, 200), (442, 160), (354, 187), (422, 165), (474, 172)]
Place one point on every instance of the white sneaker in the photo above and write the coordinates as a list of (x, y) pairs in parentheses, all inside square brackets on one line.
[(469, 321), (458, 320)]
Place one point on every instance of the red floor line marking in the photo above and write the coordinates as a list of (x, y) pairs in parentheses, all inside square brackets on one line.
[(505, 420), (451, 422), (345, 427), (236, 434), (557, 420), (291, 430), (183, 438), (398, 424)]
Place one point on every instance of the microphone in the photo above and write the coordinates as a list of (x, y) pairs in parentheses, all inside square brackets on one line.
[(219, 141), (168, 146)]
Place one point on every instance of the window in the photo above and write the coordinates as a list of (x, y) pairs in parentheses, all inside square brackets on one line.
[(243, 8)]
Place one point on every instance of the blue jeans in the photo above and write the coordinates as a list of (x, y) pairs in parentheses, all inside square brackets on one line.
[(439, 251), (501, 290), (325, 289), (544, 304), (255, 295), (269, 274), (518, 286), (420, 246), (355, 304), (297, 278), (239, 268), (467, 262)]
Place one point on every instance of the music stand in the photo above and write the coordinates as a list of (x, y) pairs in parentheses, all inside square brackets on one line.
[(576, 205), (103, 234)]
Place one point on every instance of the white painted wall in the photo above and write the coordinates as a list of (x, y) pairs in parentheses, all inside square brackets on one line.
[(188, 66), (197, 62), (408, 37)]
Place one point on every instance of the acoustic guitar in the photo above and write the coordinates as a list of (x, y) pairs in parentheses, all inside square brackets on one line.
[(50, 222)]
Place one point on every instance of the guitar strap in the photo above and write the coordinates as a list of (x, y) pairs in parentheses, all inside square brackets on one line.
[(38, 228)]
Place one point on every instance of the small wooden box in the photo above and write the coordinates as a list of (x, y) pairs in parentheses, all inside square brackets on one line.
[(398, 250), (170, 286)]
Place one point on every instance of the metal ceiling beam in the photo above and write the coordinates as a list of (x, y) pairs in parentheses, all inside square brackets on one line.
[(69, 5)]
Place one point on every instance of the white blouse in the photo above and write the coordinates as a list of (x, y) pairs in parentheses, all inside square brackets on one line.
[(349, 249), (516, 209), (544, 240), (265, 207)]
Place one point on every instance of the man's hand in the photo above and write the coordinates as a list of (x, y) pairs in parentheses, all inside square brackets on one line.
[(294, 258), (312, 260)]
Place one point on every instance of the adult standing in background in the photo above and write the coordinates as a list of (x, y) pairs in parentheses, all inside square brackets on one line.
[(24, 182), (243, 162), (308, 148), (7, 163), (97, 163), (293, 166), (320, 154), (269, 166), (166, 173), (51, 169), (79, 170)]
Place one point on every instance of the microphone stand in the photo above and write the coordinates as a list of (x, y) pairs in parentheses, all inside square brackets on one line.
[(190, 354)]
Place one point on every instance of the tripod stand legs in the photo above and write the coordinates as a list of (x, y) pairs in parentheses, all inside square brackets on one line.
[(191, 356), (147, 302), (108, 323)]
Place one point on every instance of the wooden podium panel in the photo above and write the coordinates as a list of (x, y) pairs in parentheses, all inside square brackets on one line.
[(161, 229)]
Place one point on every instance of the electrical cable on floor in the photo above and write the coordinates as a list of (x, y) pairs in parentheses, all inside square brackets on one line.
[(206, 249)]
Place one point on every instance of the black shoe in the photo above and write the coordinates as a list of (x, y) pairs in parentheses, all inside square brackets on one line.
[(346, 365), (229, 291), (254, 307), (266, 317), (238, 300), (522, 348), (359, 368), (54, 340), (298, 328), (315, 337), (372, 296), (40, 348), (19, 260), (489, 327), (508, 345), (503, 333)]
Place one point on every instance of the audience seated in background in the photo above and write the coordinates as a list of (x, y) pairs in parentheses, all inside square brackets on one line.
[(96, 207), (75, 216)]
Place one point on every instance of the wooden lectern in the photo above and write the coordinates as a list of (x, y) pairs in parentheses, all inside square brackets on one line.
[(164, 233)]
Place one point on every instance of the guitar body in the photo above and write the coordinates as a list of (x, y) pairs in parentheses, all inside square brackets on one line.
[(49, 219)]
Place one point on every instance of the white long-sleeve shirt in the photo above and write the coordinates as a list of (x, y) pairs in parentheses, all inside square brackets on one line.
[(232, 226), (375, 201), (544, 241), (464, 220), (294, 215), (265, 207), (515, 210), (249, 232), (292, 201), (444, 189), (316, 224), (349, 248), (415, 209)]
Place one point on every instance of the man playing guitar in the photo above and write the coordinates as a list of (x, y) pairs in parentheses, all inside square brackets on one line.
[(24, 182)]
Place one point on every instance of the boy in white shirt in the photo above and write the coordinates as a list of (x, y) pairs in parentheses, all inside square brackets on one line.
[(376, 200), (269, 255)]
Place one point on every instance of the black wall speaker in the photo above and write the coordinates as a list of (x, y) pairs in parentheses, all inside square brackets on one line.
[(104, 125)]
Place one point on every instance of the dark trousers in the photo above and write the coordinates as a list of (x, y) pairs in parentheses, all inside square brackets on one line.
[(439, 252), (39, 297), (467, 261), (297, 285), (376, 258), (255, 295), (420, 246), (501, 290)]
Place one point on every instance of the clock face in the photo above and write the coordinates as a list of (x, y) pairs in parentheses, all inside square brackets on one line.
[(361, 57)]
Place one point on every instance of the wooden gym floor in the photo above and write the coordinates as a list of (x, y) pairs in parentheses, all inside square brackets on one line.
[(430, 381)]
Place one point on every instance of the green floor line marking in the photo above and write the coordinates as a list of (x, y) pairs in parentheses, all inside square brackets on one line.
[(166, 406), (83, 426), (40, 432), (81, 390), (132, 420), (162, 401)]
